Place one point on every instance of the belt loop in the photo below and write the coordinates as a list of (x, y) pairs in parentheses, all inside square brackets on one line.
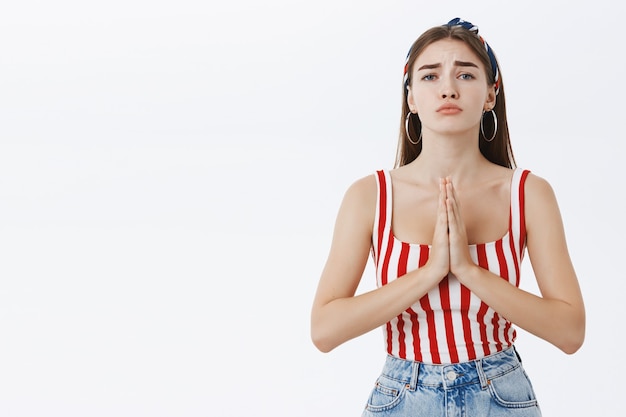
[(481, 374), (414, 375)]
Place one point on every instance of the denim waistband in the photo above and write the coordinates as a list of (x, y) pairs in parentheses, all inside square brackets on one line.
[(479, 371)]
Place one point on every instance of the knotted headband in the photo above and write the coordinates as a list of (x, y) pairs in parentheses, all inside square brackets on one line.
[(474, 29)]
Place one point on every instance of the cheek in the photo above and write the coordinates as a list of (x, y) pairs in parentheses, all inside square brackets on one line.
[(416, 97)]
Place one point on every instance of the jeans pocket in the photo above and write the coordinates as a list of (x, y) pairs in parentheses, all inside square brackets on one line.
[(513, 389), (387, 394)]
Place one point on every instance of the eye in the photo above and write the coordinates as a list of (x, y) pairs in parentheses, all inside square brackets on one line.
[(429, 77), (466, 76)]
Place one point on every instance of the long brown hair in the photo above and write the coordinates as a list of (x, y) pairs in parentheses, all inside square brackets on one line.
[(499, 149)]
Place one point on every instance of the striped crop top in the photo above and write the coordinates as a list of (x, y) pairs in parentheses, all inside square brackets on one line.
[(449, 324)]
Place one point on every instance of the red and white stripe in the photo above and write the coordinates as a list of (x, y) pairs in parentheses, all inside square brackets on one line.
[(449, 324)]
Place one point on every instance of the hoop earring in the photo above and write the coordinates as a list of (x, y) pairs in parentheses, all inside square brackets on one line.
[(495, 125), (406, 128)]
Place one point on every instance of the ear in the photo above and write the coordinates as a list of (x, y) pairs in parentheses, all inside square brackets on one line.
[(409, 99), (490, 102)]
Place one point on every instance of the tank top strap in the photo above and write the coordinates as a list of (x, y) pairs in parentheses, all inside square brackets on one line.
[(382, 220), (518, 221)]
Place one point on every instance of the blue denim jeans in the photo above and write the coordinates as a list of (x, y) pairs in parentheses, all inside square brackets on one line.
[(493, 386)]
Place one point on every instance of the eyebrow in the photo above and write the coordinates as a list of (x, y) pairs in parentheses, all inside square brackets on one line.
[(456, 63)]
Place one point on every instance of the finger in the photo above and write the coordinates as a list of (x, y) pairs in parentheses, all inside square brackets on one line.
[(451, 217), (451, 192), (451, 204), (455, 220)]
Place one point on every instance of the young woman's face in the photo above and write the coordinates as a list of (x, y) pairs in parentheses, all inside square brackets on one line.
[(449, 88)]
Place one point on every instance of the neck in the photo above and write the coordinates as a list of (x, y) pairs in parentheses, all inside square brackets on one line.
[(455, 156)]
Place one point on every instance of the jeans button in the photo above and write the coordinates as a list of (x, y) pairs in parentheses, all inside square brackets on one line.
[(451, 375)]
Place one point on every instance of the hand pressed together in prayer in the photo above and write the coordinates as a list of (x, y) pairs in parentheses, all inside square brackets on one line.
[(450, 253)]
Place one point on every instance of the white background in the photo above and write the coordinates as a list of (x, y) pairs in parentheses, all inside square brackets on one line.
[(170, 174)]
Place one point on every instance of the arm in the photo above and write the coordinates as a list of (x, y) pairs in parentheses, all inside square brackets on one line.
[(558, 316), (337, 314)]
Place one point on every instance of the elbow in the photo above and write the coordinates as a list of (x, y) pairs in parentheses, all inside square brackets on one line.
[(572, 345), (573, 339), (571, 348), (323, 335), (322, 346), (571, 331), (320, 341)]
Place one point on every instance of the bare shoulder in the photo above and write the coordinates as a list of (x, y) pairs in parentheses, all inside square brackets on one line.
[(542, 211), (362, 192), (358, 207), (538, 189)]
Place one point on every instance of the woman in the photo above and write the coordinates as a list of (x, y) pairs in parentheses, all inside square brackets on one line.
[(447, 230)]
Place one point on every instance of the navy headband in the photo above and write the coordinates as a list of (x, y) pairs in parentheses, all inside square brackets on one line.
[(474, 29)]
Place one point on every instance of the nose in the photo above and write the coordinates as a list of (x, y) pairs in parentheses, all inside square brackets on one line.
[(448, 88)]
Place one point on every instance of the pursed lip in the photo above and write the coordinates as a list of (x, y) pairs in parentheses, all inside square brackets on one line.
[(449, 108)]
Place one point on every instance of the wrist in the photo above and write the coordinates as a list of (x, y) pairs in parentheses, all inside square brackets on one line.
[(467, 274), (433, 273)]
